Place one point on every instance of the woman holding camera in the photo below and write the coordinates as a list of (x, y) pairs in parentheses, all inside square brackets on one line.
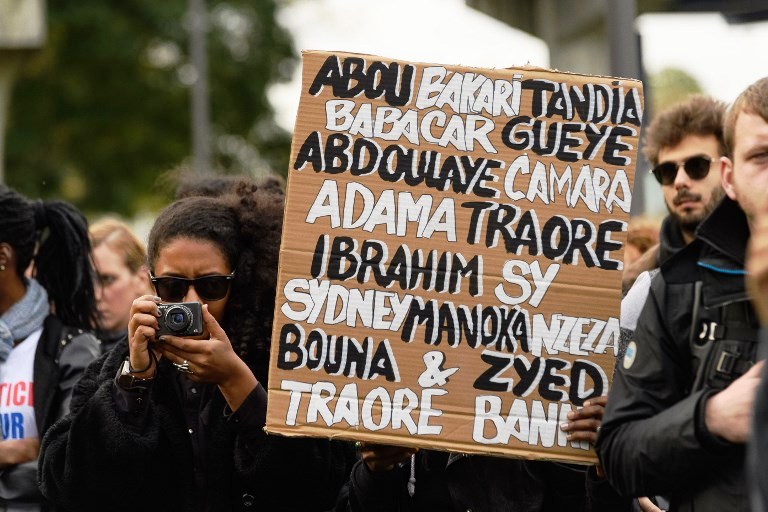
[(44, 348), (176, 422)]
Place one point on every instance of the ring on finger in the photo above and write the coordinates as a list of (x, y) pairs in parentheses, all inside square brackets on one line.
[(183, 367)]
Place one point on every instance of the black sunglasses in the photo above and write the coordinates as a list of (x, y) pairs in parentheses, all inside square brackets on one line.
[(696, 167), (174, 289)]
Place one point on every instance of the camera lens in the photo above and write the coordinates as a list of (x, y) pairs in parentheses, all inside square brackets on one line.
[(178, 318)]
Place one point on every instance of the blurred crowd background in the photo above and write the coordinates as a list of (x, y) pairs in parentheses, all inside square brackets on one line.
[(105, 103)]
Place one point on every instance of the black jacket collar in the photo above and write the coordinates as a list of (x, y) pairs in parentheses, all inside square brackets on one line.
[(720, 246), (670, 239), (726, 232)]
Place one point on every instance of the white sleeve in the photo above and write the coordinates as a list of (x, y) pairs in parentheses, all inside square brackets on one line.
[(633, 302)]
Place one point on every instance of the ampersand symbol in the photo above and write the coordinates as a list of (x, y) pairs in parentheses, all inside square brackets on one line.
[(434, 373)]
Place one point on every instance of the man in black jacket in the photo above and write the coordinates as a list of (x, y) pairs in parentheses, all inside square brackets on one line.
[(757, 285), (683, 144), (678, 413)]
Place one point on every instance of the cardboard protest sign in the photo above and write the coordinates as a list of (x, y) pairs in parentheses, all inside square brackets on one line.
[(451, 258)]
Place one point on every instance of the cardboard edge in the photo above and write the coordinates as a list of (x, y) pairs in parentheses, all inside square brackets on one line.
[(525, 67), (344, 435)]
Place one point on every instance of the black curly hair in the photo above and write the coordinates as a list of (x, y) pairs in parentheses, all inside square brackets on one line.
[(245, 223), (216, 186), (62, 262)]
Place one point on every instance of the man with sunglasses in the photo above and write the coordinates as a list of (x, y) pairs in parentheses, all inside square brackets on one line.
[(683, 144), (678, 412)]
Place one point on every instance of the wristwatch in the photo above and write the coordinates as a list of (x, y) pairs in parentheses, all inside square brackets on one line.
[(127, 380)]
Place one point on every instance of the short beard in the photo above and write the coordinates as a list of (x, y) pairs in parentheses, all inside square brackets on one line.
[(689, 222)]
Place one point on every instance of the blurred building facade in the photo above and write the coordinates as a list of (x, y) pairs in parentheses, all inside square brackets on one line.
[(599, 37)]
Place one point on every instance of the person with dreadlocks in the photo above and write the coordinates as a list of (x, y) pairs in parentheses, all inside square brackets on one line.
[(177, 423), (44, 346)]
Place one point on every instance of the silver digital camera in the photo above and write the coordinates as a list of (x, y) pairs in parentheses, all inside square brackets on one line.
[(183, 319)]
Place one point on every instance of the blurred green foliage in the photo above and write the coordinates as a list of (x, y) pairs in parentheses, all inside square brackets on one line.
[(102, 113), (671, 86)]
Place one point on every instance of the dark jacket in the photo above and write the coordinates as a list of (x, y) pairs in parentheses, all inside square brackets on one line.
[(109, 340), (98, 459), (456, 483), (671, 241), (61, 357), (758, 444), (653, 439)]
